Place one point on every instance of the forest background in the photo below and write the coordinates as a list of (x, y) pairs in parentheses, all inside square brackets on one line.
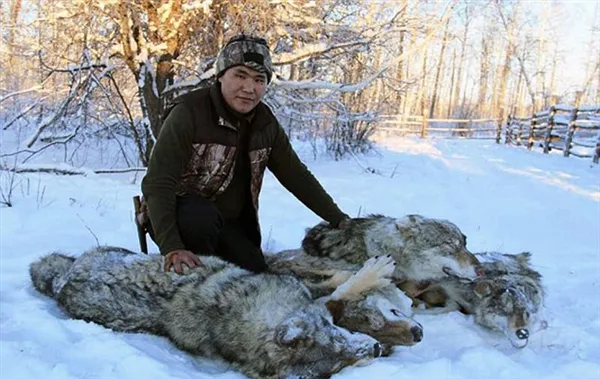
[(76, 72)]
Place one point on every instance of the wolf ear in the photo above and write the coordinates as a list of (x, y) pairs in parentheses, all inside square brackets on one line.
[(291, 331), (404, 226), (336, 309), (524, 258), (482, 288)]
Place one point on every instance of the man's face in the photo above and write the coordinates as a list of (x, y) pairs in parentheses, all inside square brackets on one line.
[(243, 88)]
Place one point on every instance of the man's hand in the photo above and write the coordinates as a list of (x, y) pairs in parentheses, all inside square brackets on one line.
[(142, 217), (176, 257), (342, 223)]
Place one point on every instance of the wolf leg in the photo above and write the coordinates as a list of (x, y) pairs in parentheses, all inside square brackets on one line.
[(337, 279), (375, 273), (451, 306), (330, 274)]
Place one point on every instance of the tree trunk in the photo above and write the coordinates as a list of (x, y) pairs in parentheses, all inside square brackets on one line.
[(598, 86), (12, 78), (294, 67), (553, 78), (540, 78), (422, 93), (515, 102), (439, 71), (450, 99), (501, 100), (410, 98), (461, 61), (400, 98), (483, 74)]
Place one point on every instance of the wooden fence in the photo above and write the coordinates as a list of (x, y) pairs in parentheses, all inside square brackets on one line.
[(575, 131), (485, 128)]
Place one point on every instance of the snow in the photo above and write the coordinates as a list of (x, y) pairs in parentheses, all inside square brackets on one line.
[(504, 198)]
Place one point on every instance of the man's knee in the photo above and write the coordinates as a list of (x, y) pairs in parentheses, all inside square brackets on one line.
[(199, 222), (197, 213), (256, 265), (250, 258)]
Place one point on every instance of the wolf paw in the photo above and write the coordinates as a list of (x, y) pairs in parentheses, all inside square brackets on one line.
[(374, 274), (382, 266)]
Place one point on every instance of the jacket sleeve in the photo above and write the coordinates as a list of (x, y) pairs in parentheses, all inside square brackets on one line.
[(168, 159), (296, 178)]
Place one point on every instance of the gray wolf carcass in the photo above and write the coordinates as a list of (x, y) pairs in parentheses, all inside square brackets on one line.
[(502, 291), (384, 313), (507, 298), (265, 325), (423, 248)]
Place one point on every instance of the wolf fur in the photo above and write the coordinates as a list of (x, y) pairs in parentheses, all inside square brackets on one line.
[(384, 314), (423, 248), (265, 325), (507, 298)]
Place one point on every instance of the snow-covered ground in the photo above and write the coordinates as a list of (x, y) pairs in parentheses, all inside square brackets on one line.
[(503, 198)]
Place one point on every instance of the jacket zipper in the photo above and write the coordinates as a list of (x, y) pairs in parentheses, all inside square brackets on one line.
[(225, 123)]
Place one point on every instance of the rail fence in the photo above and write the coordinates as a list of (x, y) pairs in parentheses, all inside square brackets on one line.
[(484, 128), (574, 130)]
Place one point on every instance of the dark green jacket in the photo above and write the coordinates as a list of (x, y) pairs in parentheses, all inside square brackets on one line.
[(196, 153)]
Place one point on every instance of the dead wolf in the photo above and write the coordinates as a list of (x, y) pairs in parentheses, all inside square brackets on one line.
[(502, 291), (507, 298), (423, 248), (265, 325), (384, 313)]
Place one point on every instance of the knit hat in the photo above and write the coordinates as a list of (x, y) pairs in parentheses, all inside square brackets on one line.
[(248, 51)]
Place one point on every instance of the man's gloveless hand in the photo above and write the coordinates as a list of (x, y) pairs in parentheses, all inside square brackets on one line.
[(176, 258)]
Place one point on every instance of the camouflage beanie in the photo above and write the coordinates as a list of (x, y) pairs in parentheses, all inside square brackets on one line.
[(247, 51)]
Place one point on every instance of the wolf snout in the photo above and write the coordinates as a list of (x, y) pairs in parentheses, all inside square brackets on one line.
[(479, 271), (417, 333), (377, 350), (522, 334)]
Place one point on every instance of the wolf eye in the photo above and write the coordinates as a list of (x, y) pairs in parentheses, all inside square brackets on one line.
[(396, 312)]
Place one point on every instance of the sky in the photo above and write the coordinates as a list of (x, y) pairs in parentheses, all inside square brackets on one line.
[(568, 23), (503, 198), (574, 22)]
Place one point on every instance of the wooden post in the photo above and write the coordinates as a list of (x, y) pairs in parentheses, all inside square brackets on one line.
[(470, 128), (597, 153), (531, 136), (499, 126), (548, 135), (520, 131), (141, 230), (507, 135), (424, 124), (570, 132)]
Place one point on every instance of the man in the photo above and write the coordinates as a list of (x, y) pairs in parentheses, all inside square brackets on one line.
[(206, 170)]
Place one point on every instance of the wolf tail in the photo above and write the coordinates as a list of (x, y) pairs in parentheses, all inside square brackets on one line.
[(46, 271)]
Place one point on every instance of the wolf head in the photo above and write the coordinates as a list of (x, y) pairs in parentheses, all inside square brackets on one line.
[(424, 248), (431, 249), (510, 304), (384, 314), (314, 347), (495, 263)]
